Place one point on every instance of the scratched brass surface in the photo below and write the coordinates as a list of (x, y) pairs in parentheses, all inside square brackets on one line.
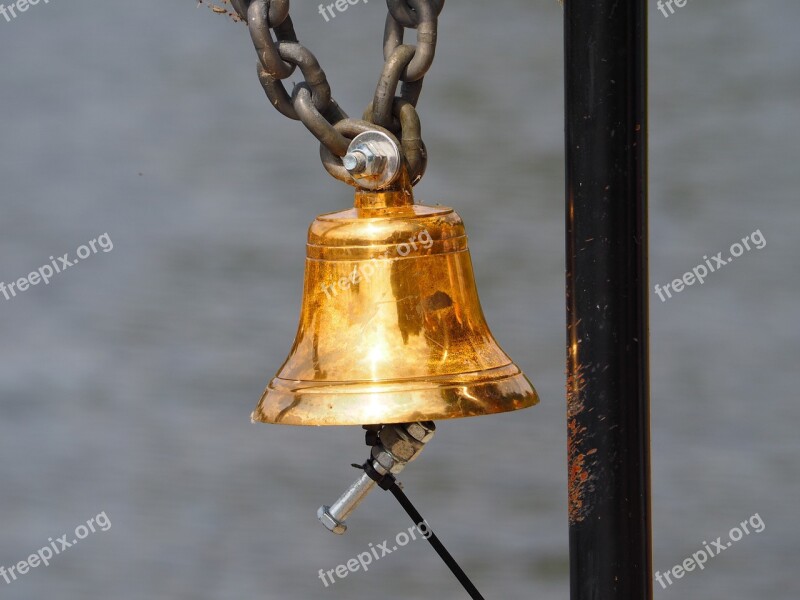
[(391, 328)]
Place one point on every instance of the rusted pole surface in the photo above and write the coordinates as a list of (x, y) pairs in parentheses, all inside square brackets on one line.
[(607, 308)]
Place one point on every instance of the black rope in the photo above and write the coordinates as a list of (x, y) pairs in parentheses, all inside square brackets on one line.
[(387, 481), (435, 542)]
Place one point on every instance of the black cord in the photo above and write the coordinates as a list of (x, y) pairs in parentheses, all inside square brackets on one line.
[(387, 481), (434, 541)]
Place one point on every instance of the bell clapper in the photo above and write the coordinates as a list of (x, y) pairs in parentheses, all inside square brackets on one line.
[(393, 447)]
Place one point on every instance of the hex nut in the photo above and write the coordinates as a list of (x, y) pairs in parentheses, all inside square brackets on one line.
[(327, 519), (423, 432), (398, 443), (384, 459)]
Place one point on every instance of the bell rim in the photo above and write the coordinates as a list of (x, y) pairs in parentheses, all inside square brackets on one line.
[(294, 402)]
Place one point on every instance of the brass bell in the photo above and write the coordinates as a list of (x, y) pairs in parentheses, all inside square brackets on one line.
[(391, 328)]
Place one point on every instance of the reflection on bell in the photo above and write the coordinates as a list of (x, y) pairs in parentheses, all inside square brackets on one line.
[(391, 328)]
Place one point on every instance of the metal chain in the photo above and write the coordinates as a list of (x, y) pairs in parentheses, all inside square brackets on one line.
[(311, 102)]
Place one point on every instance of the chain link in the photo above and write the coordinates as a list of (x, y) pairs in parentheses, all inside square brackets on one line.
[(311, 102)]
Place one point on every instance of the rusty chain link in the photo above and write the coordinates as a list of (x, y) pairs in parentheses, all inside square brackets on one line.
[(311, 102)]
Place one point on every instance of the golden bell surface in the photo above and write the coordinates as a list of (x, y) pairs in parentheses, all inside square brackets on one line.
[(391, 328)]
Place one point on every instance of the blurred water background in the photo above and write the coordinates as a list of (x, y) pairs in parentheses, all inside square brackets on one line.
[(127, 383)]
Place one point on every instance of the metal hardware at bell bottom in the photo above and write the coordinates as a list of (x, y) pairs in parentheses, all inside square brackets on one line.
[(394, 447)]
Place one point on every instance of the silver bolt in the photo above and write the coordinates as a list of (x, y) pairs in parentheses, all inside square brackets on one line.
[(355, 162), (393, 452), (373, 159), (334, 516)]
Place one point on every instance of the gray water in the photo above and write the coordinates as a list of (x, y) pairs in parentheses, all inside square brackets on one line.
[(126, 384)]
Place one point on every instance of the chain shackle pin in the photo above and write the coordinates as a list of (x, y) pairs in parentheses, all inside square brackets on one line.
[(373, 160), (351, 129)]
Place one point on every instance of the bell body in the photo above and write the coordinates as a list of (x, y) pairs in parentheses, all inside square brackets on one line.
[(391, 328)]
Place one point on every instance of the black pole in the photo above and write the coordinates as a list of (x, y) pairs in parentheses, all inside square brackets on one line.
[(607, 299)]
